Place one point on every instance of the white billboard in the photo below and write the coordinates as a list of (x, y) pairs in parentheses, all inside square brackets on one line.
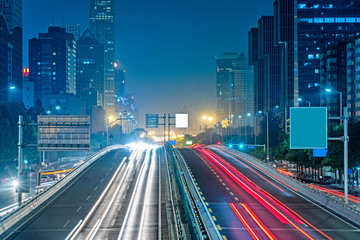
[(181, 120)]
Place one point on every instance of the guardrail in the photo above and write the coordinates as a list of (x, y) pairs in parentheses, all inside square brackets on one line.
[(31, 207), (201, 220), (331, 202)]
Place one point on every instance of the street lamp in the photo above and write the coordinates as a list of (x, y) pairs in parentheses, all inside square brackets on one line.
[(300, 100), (340, 93)]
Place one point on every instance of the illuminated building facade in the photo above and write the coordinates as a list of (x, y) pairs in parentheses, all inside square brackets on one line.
[(102, 25), (52, 63), (320, 24)]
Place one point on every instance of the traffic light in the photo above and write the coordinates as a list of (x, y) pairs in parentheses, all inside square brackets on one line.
[(218, 143)]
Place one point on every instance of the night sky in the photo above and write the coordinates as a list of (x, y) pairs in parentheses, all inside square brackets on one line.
[(167, 47)]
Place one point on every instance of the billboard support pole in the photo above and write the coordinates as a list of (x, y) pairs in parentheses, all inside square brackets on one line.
[(20, 157)]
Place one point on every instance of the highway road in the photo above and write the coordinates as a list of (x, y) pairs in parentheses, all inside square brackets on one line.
[(132, 207), (247, 204), (122, 196), (60, 217)]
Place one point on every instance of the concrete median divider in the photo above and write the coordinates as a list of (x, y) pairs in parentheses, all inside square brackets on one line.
[(201, 220), (41, 200)]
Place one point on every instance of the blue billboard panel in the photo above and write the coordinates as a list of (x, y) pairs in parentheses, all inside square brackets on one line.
[(308, 127), (319, 152)]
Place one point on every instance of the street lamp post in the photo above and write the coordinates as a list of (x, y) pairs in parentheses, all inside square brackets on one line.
[(237, 129), (255, 127), (340, 93), (231, 127), (267, 137), (246, 137)]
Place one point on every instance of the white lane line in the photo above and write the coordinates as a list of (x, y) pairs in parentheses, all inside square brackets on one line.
[(101, 219), (78, 209), (66, 223), (88, 197), (135, 192), (102, 180), (96, 188), (73, 235), (75, 228), (149, 182), (107, 173), (113, 222)]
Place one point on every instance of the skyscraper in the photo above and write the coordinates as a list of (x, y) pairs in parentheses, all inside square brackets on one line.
[(223, 67), (102, 25), (52, 63), (12, 12), (241, 95), (11, 56), (320, 24), (353, 78), (333, 76), (284, 28), (265, 57), (89, 70)]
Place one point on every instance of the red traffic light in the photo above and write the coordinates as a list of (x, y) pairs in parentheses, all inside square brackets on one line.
[(218, 143)]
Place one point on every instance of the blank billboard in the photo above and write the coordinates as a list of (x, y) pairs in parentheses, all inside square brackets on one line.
[(181, 120)]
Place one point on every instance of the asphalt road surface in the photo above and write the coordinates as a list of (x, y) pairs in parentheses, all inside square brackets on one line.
[(246, 204), (61, 216)]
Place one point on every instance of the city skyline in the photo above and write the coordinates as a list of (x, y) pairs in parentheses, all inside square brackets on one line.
[(143, 49)]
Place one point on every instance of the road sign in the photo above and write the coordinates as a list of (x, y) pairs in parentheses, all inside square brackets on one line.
[(63, 132), (319, 152), (152, 120), (308, 127), (181, 120), (172, 142), (189, 142)]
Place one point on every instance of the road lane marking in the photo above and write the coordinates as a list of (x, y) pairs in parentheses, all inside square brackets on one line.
[(223, 184), (218, 227), (66, 223), (236, 199), (210, 210), (220, 180), (231, 193), (201, 193), (214, 218), (203, 198), (96, 188), (102, 180), (198, 188), (107, 173), (223, 237), (88, 197), (227, 189), (206, 204), (78, 209), (113, 222)]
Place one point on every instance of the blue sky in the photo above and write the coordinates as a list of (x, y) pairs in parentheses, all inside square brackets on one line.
[(167, 48)]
